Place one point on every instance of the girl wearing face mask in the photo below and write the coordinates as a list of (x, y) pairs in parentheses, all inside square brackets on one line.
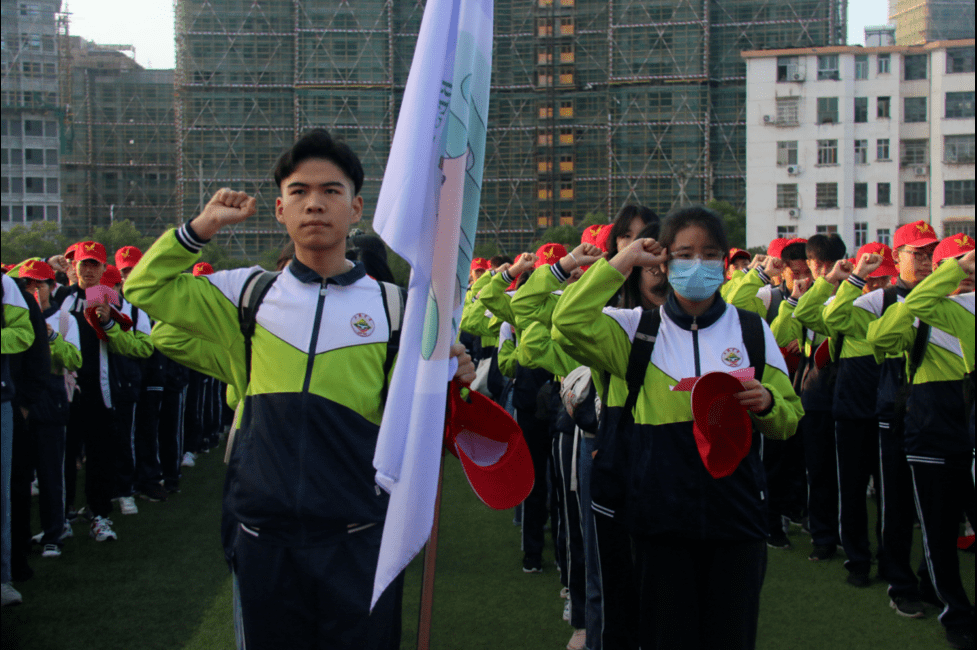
[(711, 530)]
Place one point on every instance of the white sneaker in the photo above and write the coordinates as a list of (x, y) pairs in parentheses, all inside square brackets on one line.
[(68, 532), (566, 610), (578, 641), (34, 489), (10, 596), (102, 529), (128, 506), (36, 539), (51, 550), (189, 459)]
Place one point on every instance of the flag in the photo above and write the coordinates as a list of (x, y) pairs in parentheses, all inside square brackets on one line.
[(427, 213)]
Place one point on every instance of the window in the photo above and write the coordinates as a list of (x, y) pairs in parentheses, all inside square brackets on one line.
[(544, 27), (787, 152), (960, 104), (861, 66), (544, 165), (52, 186), (33, 128), (544, 139), (914, 194), (882, 194), (829, 229), (566, 109), (861, 152), (958, 192), (566, 76), (959, 59), (954, 226), (826, 195), (861, 195), (545, 112), (33, 156), (882, 64), (958, 148), (914, 67), (914, 152), (828, 67), (566, 190), (51, 157), (861, 233), (827, 152), (861, 109), (566, 54), (787, 195), (34, 185), (566, 218), (566, 136), (882, 149), (883, 236), (34, 213), (788, 110), (827, 110), (786, 68), (786, 232), (544, 80), (882, 108), (566, 163), (544, 56), (566, 26), (544, 191), (51, 129), (16, 156), (544, 219), (914, 109)]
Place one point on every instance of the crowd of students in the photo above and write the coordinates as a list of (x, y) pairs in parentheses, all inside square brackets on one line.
[(870, 359), (658, 377), (85, 385)]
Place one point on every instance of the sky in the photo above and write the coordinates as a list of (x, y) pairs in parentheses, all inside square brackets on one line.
[(147, 25)]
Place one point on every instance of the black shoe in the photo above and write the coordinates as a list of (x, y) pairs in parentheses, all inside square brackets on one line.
[(908, 607), (929, 596), (172, 489), (532, 565), (71, 515), (825, 552), (859, 579), (778, 540), (960, 639), (153, 492)]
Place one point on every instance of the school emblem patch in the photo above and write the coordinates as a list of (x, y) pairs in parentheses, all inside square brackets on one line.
[(732, 357), (362, 324)]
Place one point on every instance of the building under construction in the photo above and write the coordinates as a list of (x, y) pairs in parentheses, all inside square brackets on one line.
[(922, 21), (594, 104)]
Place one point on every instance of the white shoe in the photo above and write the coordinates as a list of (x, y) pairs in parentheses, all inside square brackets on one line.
[(34, 489), (68, 532), (578, 641), (566, 610), (102, 529), (36, 539), (128, 506), (189, 459), (51, 550), (10, 595)]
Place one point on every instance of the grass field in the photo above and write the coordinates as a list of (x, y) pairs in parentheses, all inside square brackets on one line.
[(164, 585)]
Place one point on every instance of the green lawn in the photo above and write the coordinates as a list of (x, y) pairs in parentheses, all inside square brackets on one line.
[(165, 585)]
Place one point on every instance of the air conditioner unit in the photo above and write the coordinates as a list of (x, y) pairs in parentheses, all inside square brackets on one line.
[(921, 171), (797, 76), (767, 119), (793, 170), (794, 213)]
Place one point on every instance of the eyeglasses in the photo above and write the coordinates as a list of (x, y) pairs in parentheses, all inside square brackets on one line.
[(920, 255)]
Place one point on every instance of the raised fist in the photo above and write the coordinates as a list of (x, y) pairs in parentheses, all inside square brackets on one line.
[(868, 263), (842, 269), (225, 208)]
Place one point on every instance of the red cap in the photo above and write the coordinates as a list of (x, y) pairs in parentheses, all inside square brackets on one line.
[(792, 359), (590, 234), (739, 252), (111, 277), (36, 270), (952, 246), (823, 354), (90, 250), (6, 268), (70, 253), (888, 267), (127, 257), (603, 237), (723, 429), (480, 263), (491, 448), (776, 247), (916, 234), (549, 254), (202, 268)]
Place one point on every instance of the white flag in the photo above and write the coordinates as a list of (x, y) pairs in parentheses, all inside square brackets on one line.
[(427, 213)]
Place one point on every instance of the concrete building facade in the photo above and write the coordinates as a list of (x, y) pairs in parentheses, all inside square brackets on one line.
[(859, 141), (922, 21)]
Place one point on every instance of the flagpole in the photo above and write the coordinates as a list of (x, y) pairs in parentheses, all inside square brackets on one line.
[(430, 563)]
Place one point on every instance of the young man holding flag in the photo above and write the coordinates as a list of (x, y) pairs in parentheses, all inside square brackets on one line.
[(301, 507)]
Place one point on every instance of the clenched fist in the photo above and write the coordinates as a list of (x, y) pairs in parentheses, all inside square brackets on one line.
[(225, 208)]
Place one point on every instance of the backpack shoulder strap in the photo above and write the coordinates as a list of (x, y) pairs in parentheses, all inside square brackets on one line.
[(776, 297), (641, 349), (918, 349), (889, 297), (755, 341), (393, 303), (252, 293)]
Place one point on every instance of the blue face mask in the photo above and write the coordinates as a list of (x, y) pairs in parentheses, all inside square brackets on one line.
[(695, 279)]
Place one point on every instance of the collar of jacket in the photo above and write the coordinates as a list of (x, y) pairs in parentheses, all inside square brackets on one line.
[(51, 310), (683, 320), (305, 274)]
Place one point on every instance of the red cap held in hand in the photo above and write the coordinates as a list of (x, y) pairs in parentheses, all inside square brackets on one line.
[(722, 426), (111, 277), (202, 268)]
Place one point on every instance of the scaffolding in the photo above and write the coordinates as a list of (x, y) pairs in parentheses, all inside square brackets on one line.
[(594, 103), (920, 21)]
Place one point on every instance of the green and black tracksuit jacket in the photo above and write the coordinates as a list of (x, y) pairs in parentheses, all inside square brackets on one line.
[(669, 490), (301, 469)]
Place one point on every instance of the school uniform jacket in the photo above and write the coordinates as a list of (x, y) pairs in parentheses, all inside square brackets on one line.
[(16, 335)]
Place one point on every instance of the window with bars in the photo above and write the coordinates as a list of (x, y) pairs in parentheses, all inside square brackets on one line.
[(786, 232), (787, 152), (788, 110), (861, 110), (826, 195), (882, 149), (883, 194), (914, 152), (827, 152), (827, 110), (960, 104), (883, 64), (882, 105), (914, 66), (861, 152), (914, 194), (787, 195), (861, 233), (828, 67), (884, 236), (958, 148), (958, 192), (861, 195), (861, 66), (914, 109), (964, 226), (786, 67)]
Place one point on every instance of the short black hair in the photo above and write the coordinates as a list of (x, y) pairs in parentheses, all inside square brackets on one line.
[(826, 248), (632, 286), (499, 260), (317, 143), (622, 222), (695, 215), (794, 252)]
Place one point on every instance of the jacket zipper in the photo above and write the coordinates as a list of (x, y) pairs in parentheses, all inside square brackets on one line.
[(695, 346), (313, 344)]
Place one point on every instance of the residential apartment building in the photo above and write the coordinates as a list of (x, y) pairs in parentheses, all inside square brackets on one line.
[(922, 21), (859, 141), (32, 121)]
